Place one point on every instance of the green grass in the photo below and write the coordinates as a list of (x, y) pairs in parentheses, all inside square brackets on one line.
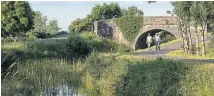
[(139, 76), (34, 75), (181, 54), (115, 73), (19, 45), (110, 75)]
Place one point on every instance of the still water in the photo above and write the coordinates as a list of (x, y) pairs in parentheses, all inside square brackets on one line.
[(61, 90)]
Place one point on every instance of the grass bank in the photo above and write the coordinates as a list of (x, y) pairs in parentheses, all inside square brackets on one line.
[(113, 73), (137, 76), (181, 54)]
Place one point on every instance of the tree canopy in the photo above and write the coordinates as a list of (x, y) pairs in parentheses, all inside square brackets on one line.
[(106, 11), (16, 18), (102, 12), (40, 22), (133, 10), (52, 26)]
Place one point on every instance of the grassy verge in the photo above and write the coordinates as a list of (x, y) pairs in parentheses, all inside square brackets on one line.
[(107, 74), (110, 75), (137, 76), (181, 54), (19, 45)]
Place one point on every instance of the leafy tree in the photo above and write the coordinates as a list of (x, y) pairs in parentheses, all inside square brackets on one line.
[(99, 12), (170, 12), (200, 13), (106, 11), (75, 25), (182, 10), (16, 17), (187, 18), (206, 11), (133, 10), (40, 22), (53, 27), (194, 17)]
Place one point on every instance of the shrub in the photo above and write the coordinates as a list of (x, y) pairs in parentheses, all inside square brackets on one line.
[(77, 47), (166, 78), (40, 35), (50, 49), (31, 35), (88, 35), (102, 45), (198, 81), (74, 47), (107, 45), (95, 64), (148, 77), (123, 48)]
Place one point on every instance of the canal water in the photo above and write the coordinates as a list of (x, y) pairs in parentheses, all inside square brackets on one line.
[(61, 90)]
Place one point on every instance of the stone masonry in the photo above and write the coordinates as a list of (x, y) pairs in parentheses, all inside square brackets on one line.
[(152, 24)]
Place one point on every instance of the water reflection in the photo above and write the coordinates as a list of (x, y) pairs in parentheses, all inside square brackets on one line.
[(61, 90)]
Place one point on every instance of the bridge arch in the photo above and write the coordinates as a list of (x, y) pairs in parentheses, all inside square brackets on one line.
[(140, 40)]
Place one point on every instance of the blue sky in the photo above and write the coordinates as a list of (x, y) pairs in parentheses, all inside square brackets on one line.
[(67, 11)]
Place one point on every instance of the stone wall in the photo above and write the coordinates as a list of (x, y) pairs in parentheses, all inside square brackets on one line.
[(102, 29), (109, 29), (160, 20)]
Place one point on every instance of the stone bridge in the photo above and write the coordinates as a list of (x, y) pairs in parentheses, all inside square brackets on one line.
[(152, 25)]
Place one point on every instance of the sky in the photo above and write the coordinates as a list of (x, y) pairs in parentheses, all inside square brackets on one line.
[(67, 11)]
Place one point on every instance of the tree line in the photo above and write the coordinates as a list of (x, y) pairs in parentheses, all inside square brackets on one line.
[(18, 20), (196, 13), (102, 12)]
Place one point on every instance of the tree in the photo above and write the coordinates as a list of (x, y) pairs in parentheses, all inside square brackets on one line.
[(133, 10), (106, 11), (170, 12), (53, 27), (40, 22), (206, 11), (194, 17), (16, 18), (201, 13), (99, 12), (75, 25), (187, 18), (178, 9)]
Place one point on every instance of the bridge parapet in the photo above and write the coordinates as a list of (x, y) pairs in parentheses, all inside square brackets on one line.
[(160, 20)]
